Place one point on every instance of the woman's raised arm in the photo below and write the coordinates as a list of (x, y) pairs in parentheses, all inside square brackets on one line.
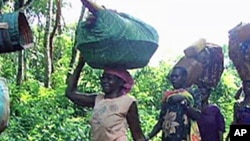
[(82, 99)]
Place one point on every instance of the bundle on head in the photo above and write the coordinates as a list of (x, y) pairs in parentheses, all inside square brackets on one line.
[(239, 49), (116, 40), (214, 67), (15, 32), (212, 59)]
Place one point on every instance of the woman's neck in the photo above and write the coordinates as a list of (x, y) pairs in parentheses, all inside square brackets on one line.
[(205, 103), (182, 87), (113, 94)]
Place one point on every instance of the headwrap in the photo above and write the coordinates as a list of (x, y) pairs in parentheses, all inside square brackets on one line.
[(125, 76)]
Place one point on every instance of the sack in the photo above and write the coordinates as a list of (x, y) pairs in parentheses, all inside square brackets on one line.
[(239, 49), (116, 40), (212, 59), (195, 48), (4, 105), (213, 70), (17, 35), (193, 68), (240, 32)]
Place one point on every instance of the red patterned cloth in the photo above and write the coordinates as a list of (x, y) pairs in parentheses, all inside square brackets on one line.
[(213, 70)]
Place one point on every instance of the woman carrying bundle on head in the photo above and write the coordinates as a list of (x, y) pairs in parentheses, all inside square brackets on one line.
[(114, 110), (239, 53), (114, 42), (211, 122)]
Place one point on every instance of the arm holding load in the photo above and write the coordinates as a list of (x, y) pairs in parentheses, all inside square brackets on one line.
[(71, 90), (93, 7)]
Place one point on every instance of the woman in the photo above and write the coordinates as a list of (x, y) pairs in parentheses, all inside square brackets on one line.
[(177, 114), (242, 108), (211, 123), (113, 110)]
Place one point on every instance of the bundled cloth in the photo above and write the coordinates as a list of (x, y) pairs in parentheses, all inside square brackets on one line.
[(193, 67), (212, 59), (195, 48), (116, 40), (15, 32), (239, 49), (187, 128), (4, 105)]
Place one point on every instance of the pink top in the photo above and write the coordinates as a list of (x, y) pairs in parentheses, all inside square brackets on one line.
[(109, 118)]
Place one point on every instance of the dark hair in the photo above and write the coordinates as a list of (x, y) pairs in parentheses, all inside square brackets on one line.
[(183, 71)]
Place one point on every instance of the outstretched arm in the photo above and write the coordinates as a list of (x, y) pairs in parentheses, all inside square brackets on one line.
[(71, 90), (158, 126), (193, 113), (156, 129), (134, 123)]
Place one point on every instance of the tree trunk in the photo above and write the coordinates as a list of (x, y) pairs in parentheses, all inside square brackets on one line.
[(21, 63), (56, 26), (20, 68), (48, 58)]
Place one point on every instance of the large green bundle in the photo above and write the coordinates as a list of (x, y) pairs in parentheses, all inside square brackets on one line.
[(17, 34), (116, 40)]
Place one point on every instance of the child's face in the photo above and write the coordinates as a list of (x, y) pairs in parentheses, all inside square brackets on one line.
[(177, 78)]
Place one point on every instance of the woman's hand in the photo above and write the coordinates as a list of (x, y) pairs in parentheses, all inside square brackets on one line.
[(93, 7)]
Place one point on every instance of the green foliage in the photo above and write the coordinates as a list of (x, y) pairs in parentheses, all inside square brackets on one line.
[(44, 114), (38, 113)]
